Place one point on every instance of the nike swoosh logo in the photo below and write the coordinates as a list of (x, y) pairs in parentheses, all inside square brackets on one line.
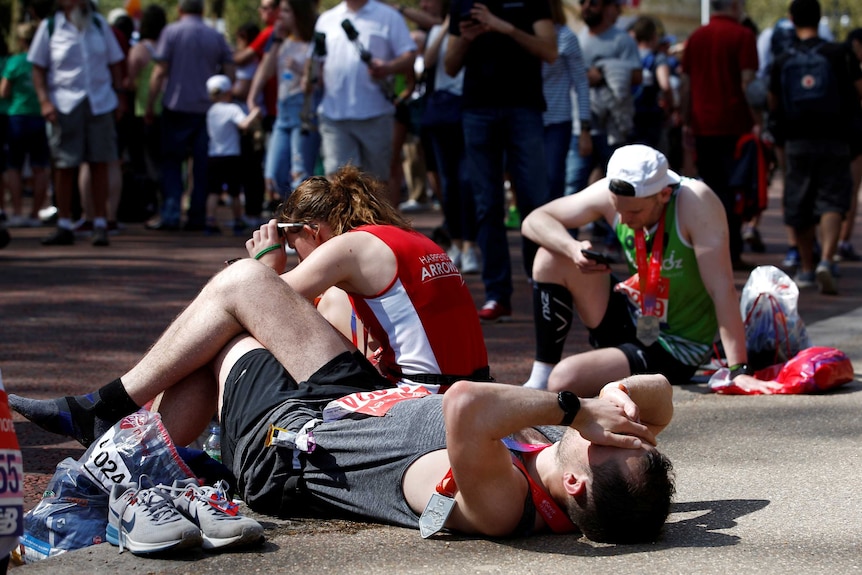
[(128, 525), (193, 515)]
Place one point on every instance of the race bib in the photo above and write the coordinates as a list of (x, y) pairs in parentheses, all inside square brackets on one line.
[(11, 476), (631, 289), (105, 464), (373, 403)]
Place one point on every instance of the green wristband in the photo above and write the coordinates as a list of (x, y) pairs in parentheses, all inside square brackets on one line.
[(266, 250)]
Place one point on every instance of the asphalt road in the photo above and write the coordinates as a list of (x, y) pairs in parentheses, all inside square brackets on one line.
[(765, 484)]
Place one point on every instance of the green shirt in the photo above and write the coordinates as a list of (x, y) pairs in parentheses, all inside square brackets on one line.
[(686, 312), (22, 100)]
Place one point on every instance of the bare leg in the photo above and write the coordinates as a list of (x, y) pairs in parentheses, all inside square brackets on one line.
[(584, 374), (40, 191), (561, 288), (99, 189), (247, 296), (13, 184), (187, 407)]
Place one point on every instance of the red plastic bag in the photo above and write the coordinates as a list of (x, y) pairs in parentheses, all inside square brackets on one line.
[(812, 370)]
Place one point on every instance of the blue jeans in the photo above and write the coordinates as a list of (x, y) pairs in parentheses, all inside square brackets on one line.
[(579, 168), (184, 134), (459, 208), (279, 158), (306, 153), (498, 139), (558, 140)]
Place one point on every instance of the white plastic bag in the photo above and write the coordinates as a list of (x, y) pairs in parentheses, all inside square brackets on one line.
[(774, 332)]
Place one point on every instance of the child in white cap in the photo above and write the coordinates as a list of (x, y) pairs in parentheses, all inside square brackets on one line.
[(225, 119)]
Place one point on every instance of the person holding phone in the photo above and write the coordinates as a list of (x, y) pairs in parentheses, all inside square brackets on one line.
[(501, 46), (679, 293)]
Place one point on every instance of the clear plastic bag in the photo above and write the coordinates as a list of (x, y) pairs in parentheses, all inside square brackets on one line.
[(137, 445), (774, 332), (73, 513)]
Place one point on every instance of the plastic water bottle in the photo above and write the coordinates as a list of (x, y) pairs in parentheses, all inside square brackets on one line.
[(212, 445)]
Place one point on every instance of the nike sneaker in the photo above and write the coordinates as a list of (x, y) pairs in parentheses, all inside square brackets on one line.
[(145, 521), (219, 520)]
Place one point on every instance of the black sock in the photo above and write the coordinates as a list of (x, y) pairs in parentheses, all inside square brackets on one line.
[(82, 417), (552, 314)]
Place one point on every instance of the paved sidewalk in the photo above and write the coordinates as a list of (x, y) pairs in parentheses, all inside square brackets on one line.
[(765, 484)]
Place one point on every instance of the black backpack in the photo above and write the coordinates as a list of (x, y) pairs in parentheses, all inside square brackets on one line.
[(808, 85)]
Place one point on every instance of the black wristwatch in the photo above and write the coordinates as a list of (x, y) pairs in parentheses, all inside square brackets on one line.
[(740, 369), (570, 404)]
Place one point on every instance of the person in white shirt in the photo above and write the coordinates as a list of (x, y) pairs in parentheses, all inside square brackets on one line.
[(357, 113), (76, 72)]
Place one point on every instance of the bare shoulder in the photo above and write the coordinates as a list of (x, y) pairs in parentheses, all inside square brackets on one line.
[(702, 219), (695, 198)]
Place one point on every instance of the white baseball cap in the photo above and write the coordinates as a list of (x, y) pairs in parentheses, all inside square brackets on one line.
[(219, 83), (644, 168)]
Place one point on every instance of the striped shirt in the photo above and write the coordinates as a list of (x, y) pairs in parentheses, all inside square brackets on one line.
[(567, 73)]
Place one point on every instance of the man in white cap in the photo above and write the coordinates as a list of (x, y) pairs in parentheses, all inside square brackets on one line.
[(662, 319)]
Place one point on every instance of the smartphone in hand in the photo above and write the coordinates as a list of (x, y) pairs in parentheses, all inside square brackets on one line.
[(599, 257)]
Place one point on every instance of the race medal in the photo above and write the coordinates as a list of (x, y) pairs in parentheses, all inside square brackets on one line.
[(436, 512), (648, 329), (649, 275)]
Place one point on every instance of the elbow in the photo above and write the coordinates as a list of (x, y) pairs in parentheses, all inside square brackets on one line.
[(461, 403)]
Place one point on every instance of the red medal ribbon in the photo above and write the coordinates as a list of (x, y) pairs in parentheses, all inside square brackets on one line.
[(649, 272)]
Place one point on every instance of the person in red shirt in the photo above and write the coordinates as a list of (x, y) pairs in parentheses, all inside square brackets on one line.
[(269, 15), (720, 60)]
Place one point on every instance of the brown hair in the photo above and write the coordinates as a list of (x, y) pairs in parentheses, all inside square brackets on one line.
[(25, 31), (350, 199)]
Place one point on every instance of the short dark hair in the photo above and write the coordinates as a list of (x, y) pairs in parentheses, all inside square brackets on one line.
[(805, 13), (153, 21), (644, 29), (620, 510), (248, 32), (192, 7)]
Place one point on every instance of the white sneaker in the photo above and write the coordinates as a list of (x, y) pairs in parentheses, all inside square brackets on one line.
[(146, 521), (454, 253), (217, 517), (470, 261), (412, 206)]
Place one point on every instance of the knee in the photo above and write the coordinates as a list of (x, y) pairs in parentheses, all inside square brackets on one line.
[(564, 375), (235, 278), (549, 267)]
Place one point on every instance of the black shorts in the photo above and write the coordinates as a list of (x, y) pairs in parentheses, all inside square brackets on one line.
[(258, 385), (618, 330), (224, 174), (816, 181)]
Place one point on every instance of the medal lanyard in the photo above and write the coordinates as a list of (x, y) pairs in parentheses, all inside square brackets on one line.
[(649, 271), (558, 521)]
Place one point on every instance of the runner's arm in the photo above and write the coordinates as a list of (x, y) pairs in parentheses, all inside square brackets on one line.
[(478, 415), (549, 225)]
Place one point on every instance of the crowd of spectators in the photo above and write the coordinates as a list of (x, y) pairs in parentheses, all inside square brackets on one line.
[(472, 107)]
